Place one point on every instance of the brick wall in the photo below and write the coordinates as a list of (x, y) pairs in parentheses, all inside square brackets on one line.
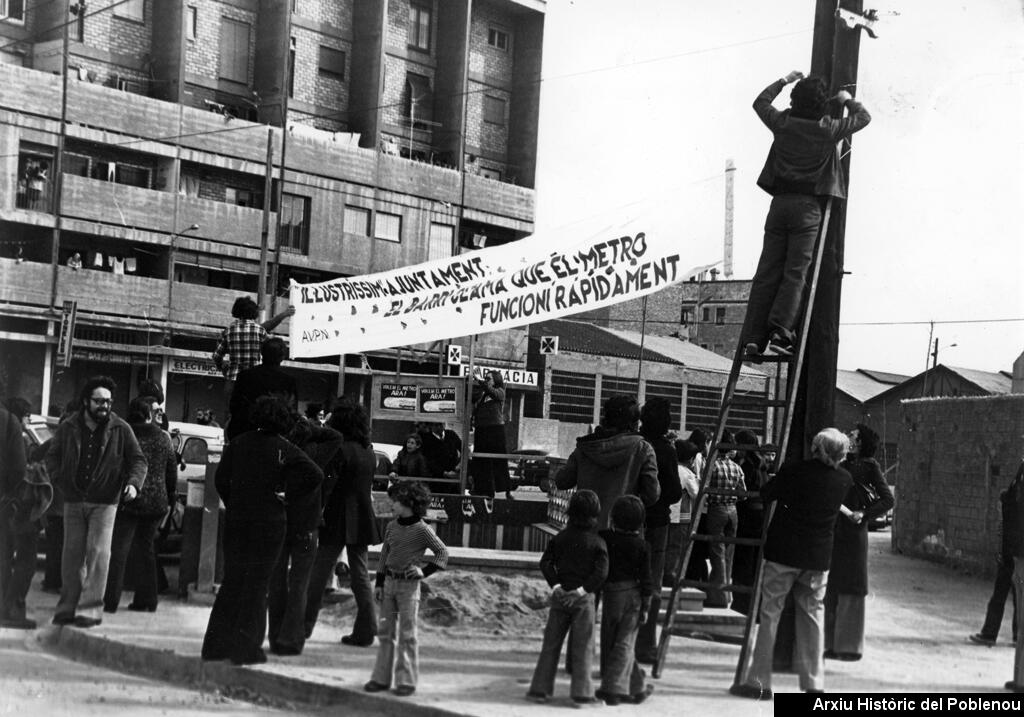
[(956, 455), (202, 57)]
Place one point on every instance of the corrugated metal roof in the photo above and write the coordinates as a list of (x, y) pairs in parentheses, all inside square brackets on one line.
[(883, 376), (993, 382), (582, 337), (860, 385)]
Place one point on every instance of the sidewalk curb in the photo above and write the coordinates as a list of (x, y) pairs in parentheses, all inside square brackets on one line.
[(240, 683)]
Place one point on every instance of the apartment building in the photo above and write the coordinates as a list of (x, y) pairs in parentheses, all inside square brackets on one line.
[(407, 130)]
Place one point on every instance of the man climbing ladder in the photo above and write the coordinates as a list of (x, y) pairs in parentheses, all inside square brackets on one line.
[(802, 171)]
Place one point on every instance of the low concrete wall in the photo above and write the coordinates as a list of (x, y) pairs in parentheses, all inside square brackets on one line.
[(956, 456)]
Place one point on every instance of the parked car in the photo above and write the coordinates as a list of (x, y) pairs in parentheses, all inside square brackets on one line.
[(533, 468)]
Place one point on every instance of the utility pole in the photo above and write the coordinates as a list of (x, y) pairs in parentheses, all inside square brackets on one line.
[(834, 57), (730, 171)]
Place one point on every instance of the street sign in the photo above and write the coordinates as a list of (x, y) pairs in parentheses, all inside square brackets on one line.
[(193, 366), (549, 344), (512, 376), (454, 354), (66, 338)]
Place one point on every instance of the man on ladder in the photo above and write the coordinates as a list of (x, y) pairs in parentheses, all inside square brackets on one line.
[(802, 171)]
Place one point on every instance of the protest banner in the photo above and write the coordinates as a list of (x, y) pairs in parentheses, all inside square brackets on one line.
[(540, 277)]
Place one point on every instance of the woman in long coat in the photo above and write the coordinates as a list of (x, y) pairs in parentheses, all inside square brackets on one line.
[(848, 575), (349, 522), (490, 474)]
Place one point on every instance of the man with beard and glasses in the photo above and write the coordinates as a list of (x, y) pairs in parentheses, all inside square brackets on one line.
[(96, 461)]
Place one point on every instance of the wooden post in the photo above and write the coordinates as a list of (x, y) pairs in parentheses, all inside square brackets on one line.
[(834, 57), (268, 188)]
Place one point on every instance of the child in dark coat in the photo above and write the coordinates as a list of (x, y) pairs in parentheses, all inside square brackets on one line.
[(626, 599), (575, 564)]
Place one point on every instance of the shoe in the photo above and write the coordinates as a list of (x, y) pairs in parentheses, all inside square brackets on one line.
[(18, 623), (580, 702), (829, 655), (979, 639), (751, 691), (538, 697), (751, 349), (353, 642), (141, 608), (404, 690), (639, 697), (285, 650), (372, 686), (610, 698), (847, 656), (63, 620), (647, 658), (779, 345), (86, 622), (111, 609)]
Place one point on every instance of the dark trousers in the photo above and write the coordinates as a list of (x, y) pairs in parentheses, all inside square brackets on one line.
[(697, 568), (289, 583), (238, 621), (647, 639), (365, 627), (54, 547), (489, 474), (576, 620), (1002, 587), (789, 235), (134, 542), (620, 615), (744, 559), (17, 566)]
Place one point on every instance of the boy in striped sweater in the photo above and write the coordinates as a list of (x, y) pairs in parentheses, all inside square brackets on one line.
[(399, 573)]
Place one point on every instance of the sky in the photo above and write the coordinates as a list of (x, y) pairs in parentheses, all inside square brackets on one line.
[(642, 103)]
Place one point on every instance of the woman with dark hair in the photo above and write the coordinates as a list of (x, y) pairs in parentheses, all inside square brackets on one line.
[(489, 474), (868, 497), (349, 522), (137, 521), (260, 473)]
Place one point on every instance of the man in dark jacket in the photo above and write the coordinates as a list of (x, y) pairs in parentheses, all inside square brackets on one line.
[(797, 554), (614, 460), (17, 545), (655, 421), (96, 462), (267, 379), (801, 172)]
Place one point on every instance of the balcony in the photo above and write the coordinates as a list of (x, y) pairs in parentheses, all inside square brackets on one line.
[(125, 205), (25, 282), (103, 292), (208, 306)]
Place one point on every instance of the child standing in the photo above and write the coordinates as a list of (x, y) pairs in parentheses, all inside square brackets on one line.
[(406, 539), (627, 598), (575, 564)]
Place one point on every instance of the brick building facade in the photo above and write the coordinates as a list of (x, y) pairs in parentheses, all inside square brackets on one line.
[(170, 105)]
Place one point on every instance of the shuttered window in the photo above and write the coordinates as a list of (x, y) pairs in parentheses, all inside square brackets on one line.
[(442, 237), (357, 221), (388, 226), (234, 50), (494, 110), (332, 62)]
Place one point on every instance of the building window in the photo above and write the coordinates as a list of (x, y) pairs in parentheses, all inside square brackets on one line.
[(388, 226), (131, 10), (497, 38), (419, 99), (357, 221), (243, 197), (494, 110), (720, 315), (34, 175), (294, 223), (442, 239), (419, 27), (685, 315), (12, 10), (705, 314), (234, 50), (490, 173), (191, 23), (332, 62), (121, 173)]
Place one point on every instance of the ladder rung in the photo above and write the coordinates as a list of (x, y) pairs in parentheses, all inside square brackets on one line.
[(728, 587), (757, 402), (728, 540), (769, 358), (698, 634)]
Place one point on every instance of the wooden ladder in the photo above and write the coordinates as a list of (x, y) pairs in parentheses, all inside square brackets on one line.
[(785, 366)]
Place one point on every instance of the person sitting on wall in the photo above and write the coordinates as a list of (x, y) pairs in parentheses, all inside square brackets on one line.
[(410, 460)]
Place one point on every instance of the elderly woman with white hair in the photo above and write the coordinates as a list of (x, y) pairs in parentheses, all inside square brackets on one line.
[(807, 496)]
